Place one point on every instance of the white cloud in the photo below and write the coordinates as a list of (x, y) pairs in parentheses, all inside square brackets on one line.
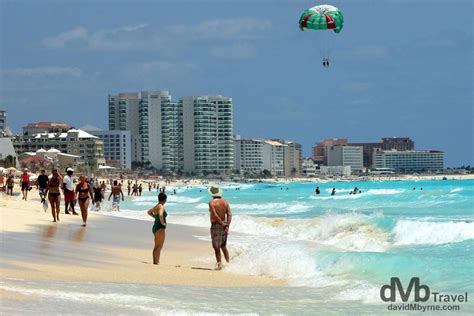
[(169, 37), (60, 40), (44, 71), (225, 29), (102, 39)]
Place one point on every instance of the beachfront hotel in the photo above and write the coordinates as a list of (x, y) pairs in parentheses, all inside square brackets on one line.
[(208, 146), (117, 146), (293, 158), (409, 161), (74, 142), (274, 157), (352, 156), (153, 121), (248, 155), (320, 149), (387, 143), (191, 136), (279, 157)]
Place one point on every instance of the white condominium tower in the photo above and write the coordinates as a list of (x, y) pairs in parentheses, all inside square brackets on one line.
[(123, 116), (207, 135), (146, 115)]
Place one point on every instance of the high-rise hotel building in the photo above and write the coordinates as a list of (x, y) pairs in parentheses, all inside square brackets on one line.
[(191, 136), (207, 134)]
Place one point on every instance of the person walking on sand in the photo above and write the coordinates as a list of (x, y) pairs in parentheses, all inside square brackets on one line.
[(68, 188), (25, 184), (42, 183), (98, 196), (220, 216), (83, 191), (54, 193), (10, 184), (116, 192), (140, 189), (159, 226)]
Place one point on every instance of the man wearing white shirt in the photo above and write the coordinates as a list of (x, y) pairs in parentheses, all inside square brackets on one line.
[(68, 187)]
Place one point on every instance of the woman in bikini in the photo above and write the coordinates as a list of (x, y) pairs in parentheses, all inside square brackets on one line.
[(159, 214), (83, 192), (53, 192)]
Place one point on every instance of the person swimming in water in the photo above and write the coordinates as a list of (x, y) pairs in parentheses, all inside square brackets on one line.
[(317, 190), (333, 192)]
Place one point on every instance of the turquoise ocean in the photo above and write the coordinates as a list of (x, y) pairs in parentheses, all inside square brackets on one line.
[(335, 251)]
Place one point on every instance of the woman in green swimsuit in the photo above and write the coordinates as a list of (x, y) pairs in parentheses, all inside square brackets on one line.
[(159, 214)]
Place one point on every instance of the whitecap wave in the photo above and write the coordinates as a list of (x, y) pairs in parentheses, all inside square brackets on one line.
[(410, 232), (343, 231)]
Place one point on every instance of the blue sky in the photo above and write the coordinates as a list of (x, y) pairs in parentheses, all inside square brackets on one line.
[(398, 68)]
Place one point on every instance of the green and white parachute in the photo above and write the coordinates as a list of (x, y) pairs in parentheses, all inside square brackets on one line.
[(322, 17)]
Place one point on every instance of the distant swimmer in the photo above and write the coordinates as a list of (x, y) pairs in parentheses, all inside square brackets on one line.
[(421, 189), (317, 190), (333, 192)]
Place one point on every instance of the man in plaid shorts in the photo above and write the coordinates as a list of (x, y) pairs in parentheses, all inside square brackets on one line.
[(221, 217)]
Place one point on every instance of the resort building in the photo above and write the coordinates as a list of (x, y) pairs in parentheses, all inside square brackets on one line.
[(248, 155), (387, 143), (155, 126), (409, 161), (172, 137), (293, 154), (117, 146), (320, 149), (45, 127), (274, 157), (308, 168), (124, 116), (345, 156), (74, 142), (207, 135)]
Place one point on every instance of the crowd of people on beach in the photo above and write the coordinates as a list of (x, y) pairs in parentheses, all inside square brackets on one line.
[(50, 188), (89, 189)]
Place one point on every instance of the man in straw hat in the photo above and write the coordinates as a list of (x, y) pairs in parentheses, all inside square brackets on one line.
[(221, 217)]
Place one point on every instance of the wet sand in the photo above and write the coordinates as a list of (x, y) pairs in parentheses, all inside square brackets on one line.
[(109, 249)]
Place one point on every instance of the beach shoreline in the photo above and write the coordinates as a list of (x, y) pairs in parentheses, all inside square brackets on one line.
[(109, 249)]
